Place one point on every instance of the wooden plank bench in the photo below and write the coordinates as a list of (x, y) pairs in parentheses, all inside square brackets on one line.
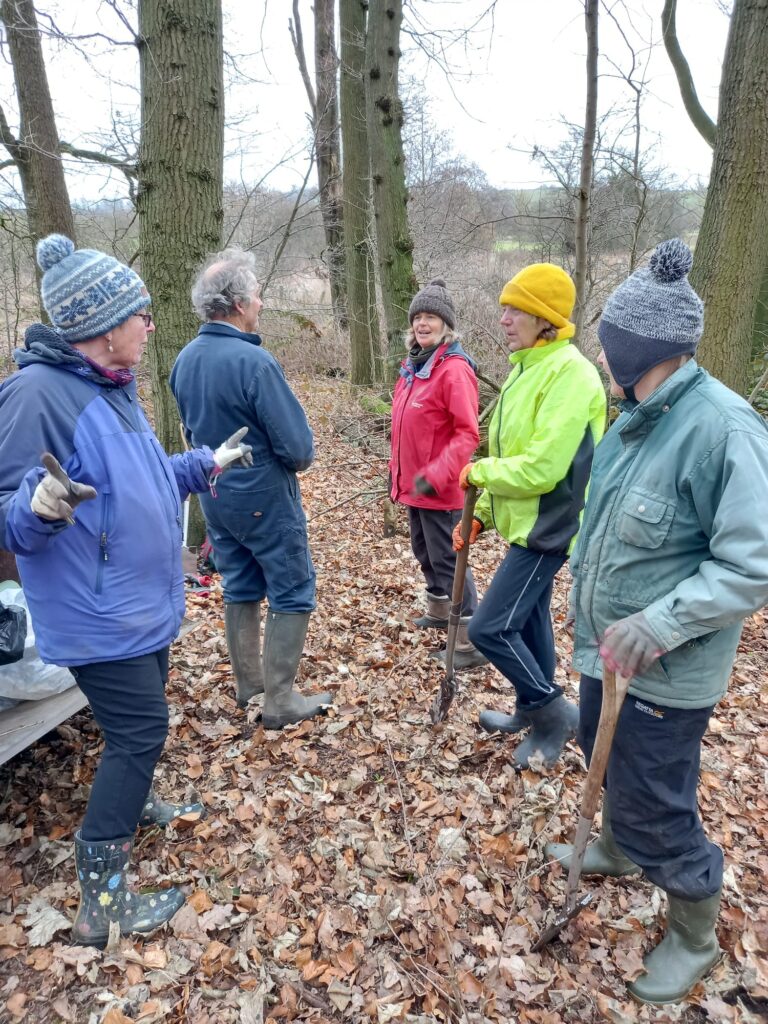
[(27, 721)]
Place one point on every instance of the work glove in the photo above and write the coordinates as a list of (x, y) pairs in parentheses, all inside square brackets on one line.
[(629, 646), (56, 496), (476, 528), (464, 480), (233, 452), (422, 488)]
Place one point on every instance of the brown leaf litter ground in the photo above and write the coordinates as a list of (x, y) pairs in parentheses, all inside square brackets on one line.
[(366, 866)]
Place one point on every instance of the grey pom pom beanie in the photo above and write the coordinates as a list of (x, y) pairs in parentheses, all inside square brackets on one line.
[(85, 292), (653, 316), (434, 298)]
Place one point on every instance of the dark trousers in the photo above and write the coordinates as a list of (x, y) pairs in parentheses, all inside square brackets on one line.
[(432, 543), (128, 702), (513, 628), (653, 772)]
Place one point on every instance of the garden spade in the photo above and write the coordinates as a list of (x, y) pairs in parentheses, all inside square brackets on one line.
[(614, 691), (448, 686)]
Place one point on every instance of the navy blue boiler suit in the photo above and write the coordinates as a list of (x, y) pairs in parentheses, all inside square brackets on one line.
[(224, 380)]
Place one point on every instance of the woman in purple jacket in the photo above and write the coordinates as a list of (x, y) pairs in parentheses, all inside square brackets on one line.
[(96, 530)]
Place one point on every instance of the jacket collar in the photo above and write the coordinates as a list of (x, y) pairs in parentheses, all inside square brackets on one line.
[(528, 356), (222, 329), (643, 416), (444, 351)]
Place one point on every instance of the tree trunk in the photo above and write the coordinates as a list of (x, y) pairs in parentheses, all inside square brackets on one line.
[(362, 315), (180, 194), (394, 246), (36, 151), (582, 227), (327, 148), (732, 249), (324, 108)]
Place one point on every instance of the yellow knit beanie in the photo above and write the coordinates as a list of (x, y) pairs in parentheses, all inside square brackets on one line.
[(544, 290)]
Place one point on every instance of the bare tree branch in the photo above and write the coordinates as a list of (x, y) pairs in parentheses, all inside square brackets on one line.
[(297, 38), (701, 120)]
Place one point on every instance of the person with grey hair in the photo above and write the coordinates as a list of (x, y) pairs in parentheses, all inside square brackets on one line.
[(256, 522)]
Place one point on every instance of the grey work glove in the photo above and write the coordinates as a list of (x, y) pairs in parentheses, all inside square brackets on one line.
[(56, 496), (629, 646), (570, 615), (423, 488), (233, 452)]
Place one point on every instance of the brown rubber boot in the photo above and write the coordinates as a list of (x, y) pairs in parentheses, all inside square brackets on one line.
[(465, 654), (436, 615)]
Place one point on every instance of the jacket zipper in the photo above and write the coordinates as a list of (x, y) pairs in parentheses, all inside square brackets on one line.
[(103, 556), (164, 476), (502, 396)]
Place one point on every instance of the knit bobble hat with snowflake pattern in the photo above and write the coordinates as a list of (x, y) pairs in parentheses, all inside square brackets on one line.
[(85, 292)]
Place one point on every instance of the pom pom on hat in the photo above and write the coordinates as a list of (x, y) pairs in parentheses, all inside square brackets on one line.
[(436, 299), (86, 292), (671, 260), (53, 250)]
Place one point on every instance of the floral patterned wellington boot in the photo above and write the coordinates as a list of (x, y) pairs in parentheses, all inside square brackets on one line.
[(158, 812), (104, 896)]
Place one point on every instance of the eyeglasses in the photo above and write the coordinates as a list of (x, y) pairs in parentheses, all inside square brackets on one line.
[(147, 318)]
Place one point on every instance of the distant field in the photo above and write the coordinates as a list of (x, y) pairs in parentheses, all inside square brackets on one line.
[(512, 245)]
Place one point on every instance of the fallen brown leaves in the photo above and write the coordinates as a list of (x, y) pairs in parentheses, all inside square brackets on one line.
[(366, 867)]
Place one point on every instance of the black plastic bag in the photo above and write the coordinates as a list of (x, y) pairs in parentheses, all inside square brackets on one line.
[(13, 633)]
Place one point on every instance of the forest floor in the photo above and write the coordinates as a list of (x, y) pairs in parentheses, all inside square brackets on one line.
[(366, 866)]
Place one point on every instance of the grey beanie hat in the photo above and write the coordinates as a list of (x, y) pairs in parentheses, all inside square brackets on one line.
[(434, 298), (86, 292), (653, 316)]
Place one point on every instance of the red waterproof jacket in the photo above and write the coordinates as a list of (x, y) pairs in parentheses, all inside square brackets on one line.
[(434, 427)]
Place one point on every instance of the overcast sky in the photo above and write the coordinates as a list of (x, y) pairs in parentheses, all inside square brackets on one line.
[(511, 85)]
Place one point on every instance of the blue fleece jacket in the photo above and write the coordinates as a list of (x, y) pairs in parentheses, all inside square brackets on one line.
[(224, 380), (110, 587)]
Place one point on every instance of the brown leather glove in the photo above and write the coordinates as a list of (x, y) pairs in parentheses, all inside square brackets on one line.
[(458, 543)]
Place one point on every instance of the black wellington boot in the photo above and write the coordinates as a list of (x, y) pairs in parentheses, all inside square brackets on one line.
[(104, 896), (551, 727), (498, 721)]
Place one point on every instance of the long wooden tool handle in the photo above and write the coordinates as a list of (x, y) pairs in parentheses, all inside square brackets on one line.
[(459, 576), (614, 691)]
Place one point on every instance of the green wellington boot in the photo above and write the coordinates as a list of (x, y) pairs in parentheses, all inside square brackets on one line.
[(159, 812), (601, 857), (104, 897), (683, 956), (284, 637), (436, 615), (242, 622)]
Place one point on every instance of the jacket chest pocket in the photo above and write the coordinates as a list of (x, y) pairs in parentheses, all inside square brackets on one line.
[(643, 520)]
